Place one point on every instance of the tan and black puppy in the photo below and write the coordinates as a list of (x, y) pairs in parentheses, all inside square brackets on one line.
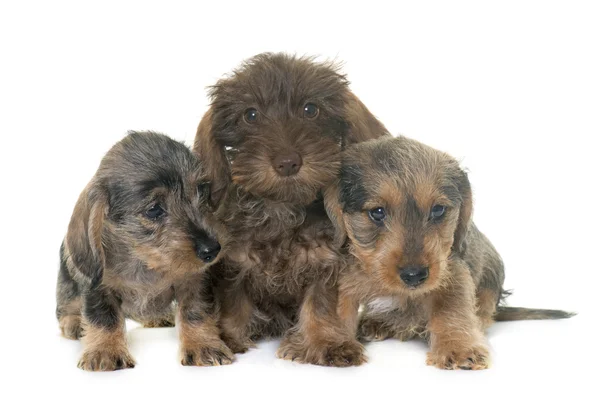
[(141, 236), (272, 140), (422, 267)]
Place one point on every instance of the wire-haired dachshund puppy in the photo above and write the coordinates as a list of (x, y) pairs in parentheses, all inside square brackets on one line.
[(272, 140), (140, 237), (421, 266)]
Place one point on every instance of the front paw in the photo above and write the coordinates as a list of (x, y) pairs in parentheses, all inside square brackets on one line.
[(70, 327), (349, 353), (207, 355), (340, 354), (469, 358), (106, 360)]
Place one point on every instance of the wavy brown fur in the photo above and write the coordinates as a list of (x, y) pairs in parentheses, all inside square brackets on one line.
[(280, 271)]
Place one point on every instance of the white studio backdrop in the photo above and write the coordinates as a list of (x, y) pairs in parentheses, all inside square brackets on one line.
[(510, 88)]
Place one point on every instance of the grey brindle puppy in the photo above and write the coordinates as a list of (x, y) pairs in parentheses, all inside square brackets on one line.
[(140, 237)]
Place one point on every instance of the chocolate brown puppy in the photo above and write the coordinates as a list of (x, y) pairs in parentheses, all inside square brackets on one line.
[(422, 268), (272, 140), (140, 237)]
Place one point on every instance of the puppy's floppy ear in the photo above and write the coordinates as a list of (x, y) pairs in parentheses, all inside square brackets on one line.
[(362, 125), (84, 236), (334, 211), (464, 217), (213, 157)]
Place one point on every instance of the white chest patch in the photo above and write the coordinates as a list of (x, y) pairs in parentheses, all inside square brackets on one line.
[(383, 304)]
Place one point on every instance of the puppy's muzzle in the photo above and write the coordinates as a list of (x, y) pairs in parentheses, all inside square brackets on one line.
[(413, 275), (287, 164), (207, 248)]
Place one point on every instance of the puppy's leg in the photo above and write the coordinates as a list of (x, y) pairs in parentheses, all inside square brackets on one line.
[(197, 317), (487, 301), (105, 346), (457, 340), (347, 310), (68, 302), (236, 314), (320, 337), (69, 319)]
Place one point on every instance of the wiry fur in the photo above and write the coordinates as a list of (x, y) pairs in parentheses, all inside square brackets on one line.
[(460, 296), (117, 262), (282, 260)]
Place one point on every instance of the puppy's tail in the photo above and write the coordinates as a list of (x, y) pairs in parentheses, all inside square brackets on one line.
[(504, 313)]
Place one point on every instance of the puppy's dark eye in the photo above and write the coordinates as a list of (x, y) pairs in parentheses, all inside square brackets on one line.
[(311, 110), (155, 212), (251, 115), (437, 212), (377, 215)]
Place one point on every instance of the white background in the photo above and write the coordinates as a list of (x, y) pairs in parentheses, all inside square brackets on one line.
[(511, 88)]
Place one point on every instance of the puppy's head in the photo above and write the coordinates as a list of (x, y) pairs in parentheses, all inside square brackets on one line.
[(149, 202), (277, 125), (405, 207)]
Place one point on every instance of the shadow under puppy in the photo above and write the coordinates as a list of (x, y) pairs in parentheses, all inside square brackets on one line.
[(423, 267), (140, 237), (272, 140)]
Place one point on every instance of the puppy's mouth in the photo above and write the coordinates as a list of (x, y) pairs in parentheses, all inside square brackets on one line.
[(290, 183)]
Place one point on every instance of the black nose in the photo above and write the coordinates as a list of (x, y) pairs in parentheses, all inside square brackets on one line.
[(287, 164), (413, 275), (207, 249)]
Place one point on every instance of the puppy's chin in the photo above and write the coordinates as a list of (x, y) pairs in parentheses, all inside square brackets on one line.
[(289, 190)]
